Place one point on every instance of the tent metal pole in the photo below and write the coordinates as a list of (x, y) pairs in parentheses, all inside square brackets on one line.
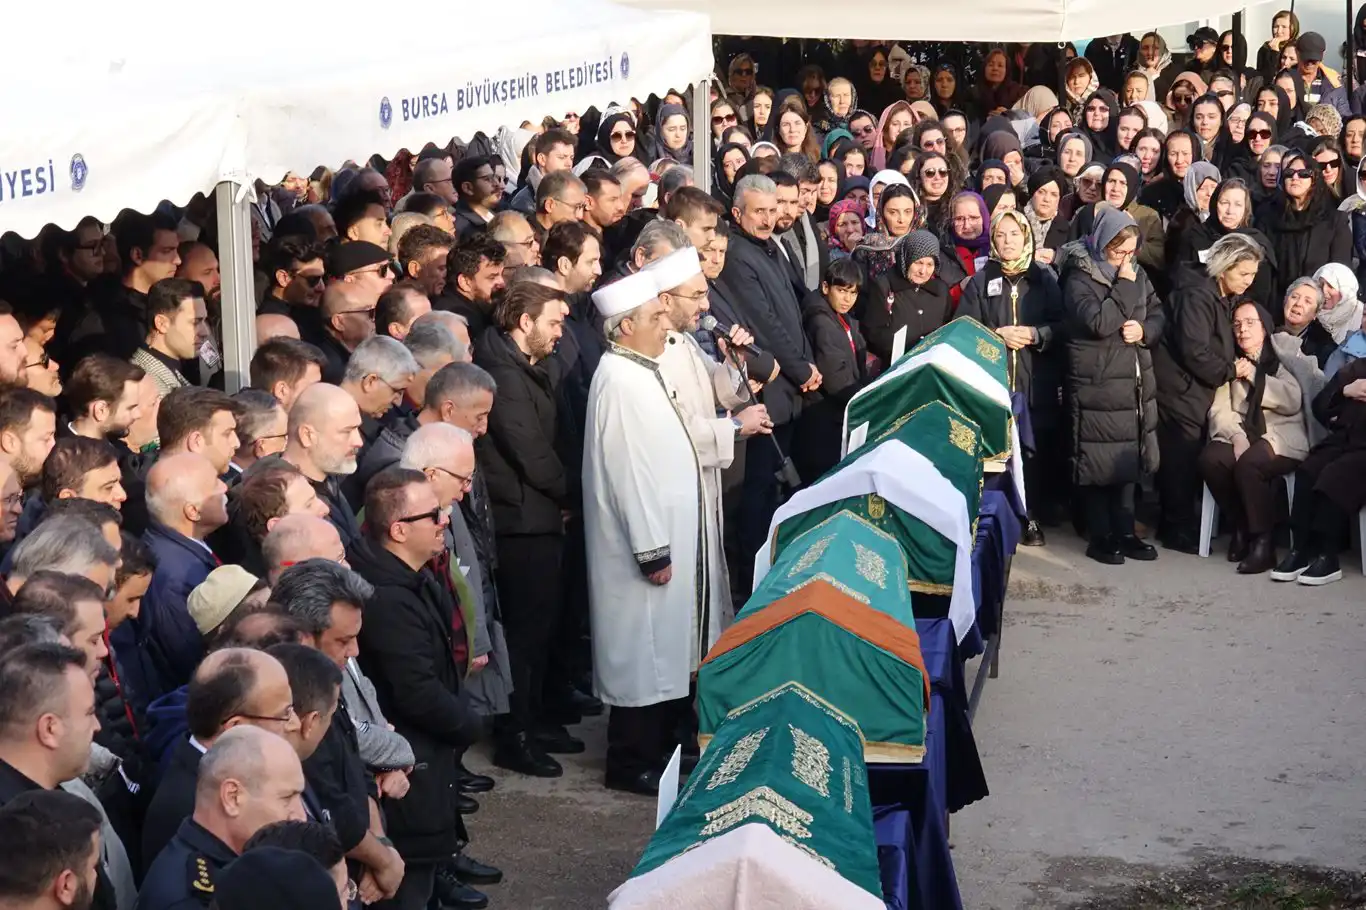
[(1349, 63), (701, 133), (239, 283)]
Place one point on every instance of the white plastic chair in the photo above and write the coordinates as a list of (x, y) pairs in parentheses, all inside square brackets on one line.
[(1209, 517)]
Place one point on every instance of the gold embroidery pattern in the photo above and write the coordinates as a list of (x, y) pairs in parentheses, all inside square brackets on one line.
[(737, 759), (989, 351), (962, 437), (870, 565), (848, 786), (765, 803), (835, 583), (813, 553), (811, 853), (877, 506), (806, 695), (810, 761)]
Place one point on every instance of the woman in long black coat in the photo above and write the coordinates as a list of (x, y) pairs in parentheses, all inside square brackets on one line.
[(1113, 320), (1020, 300), (1303, 224), (910, 296), (1195, 359), (841, 356)]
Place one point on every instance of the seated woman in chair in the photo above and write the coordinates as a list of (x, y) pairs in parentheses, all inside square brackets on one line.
[(1257, 435)]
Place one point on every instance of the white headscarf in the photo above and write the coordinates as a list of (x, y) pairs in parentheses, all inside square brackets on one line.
[(883, 178), (1345, 318)]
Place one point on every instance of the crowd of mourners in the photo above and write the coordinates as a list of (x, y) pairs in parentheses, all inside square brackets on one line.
[(500, 462)]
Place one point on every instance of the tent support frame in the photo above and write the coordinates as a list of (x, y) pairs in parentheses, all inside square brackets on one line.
[(701, 133), (239, 282)]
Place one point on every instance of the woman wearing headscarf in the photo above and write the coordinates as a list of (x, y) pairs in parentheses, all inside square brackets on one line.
[(1341, 312), (1232, 56), (879, 183), (1000, 198), (1166, 194), (1195, 359), (1074, 153), (673, 133), (845, 227), (617, 137), (1155, 116), (896, 118), (1236, 121), (1302, 222), (1020, 300), (946, 94), (1080, 83), (1353, 150), (1113, 320), (1054, 124), (1100, 116), (1207, 122), (1273, 101), (760, 112), (1119, 188), (1199, 184), (1155, 62), (1230, 211), (841, 100), (1045, 227), (993, 172), (1086, 190), (877, 88), (1186, 87), (1257, 435), (730, 159), (909, 296), (1148, 149), (1004, 146), (1037, 102), (996, 91), (1259, 134), (898, 213), (966, 241), (915, 82)]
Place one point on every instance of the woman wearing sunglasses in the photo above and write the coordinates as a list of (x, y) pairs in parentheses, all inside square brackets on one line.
[(617, 137), (1327, 154), (931, 175), (1302, 222)]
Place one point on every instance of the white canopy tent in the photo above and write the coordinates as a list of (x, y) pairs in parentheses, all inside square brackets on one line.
[(934, 20), (122, 108)]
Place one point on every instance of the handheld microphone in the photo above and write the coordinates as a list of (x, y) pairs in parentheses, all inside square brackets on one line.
[(786, 474), (709, 323)]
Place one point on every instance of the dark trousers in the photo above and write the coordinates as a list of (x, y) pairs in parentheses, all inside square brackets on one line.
[(1179, 444), (571, 660), (1324, 500), (530, 594), (641, 739), (1245, 488), (1045, 472), (1109, 510), (732, 495), (415, 891), (761, 494)]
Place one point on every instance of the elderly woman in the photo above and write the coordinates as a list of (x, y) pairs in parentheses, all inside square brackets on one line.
[(1020, 300), (1113, 320), (1195, 360), (1257, 435), (910, 296), (1341, 311), (1303, 301), (1049, 230)]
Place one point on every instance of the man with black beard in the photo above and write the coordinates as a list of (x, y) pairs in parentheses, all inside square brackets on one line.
[(49, 852), (103, 399)]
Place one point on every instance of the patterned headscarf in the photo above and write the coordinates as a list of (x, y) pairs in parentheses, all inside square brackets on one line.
[(1021, 262), (843, 207)]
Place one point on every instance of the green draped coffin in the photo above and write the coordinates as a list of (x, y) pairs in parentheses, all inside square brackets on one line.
[(791, 761), (952, 444), (835, 616), (963, 365)]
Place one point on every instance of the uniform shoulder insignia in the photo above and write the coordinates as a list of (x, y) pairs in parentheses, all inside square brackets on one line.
[(199, 875)]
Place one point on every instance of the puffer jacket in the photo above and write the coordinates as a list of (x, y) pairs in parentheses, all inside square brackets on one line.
[(1113, 400)]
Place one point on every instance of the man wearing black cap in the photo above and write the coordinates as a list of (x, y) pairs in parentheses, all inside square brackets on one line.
[(361, 263), (1320, 82), (1204, 43)]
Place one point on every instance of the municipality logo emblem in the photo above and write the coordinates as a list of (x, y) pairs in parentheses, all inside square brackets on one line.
[(386, 112), (625, 65), (79, 172)]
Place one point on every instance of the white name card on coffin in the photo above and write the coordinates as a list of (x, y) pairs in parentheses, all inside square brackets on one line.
[(957, 365), (910, 481)]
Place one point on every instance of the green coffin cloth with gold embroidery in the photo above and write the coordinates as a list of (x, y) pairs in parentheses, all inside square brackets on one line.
[(791, 761), (962, 364), (835, 616)]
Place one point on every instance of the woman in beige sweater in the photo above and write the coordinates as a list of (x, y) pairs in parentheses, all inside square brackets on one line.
[(1256, 435)]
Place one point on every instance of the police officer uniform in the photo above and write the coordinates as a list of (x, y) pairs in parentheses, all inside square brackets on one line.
[(182, 878)]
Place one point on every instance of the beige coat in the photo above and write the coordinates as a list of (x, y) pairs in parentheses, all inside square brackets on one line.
[(1282, 404)]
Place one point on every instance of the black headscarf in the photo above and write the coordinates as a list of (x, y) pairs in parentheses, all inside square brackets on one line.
[(604, 146), (1047, 149), (992, 196), (722, 190), (1103, 142), (1268, 364), (1285, 116)]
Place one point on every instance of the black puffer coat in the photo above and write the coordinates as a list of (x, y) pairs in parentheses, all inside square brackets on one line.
[(1197, 351), (1113, 402)]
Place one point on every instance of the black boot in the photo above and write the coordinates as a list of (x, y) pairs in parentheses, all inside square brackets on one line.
[(453, 893), (1238, 546), (1133, 547), (1182, 540), (1032, 535), (1261, 556), (1105, 550), (520, 752)]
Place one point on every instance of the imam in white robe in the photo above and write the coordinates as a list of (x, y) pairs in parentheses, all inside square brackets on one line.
[(642, 500)]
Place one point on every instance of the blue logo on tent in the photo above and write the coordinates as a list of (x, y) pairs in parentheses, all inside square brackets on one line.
[(386, 112), (625, 65), (79, 172)]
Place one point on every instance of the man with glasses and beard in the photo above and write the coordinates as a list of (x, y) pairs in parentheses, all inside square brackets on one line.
[(348, 315), (294, 272)]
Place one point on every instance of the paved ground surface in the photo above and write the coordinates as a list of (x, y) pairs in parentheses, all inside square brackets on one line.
[(1153, 723)]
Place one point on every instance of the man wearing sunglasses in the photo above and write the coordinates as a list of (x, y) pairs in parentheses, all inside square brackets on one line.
[(294, 272)]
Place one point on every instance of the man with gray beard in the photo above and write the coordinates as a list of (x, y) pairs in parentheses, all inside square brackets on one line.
[(324, 442)]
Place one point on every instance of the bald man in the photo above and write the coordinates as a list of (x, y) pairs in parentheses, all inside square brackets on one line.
[(275, 325), (324, 442), (298, 537), (185, 503), (348, 313), (249, 779)]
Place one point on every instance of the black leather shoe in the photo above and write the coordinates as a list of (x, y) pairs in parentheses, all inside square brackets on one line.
[(1261, 556), (473, 783), (585, 704), (519, 752), (646, 783), (466, 805), (1290, 568), (1133, 547), (1238, 546), (557, 741), (1032, 535), (1105, 550), (1182, 541), (455, 894), (470, 870)]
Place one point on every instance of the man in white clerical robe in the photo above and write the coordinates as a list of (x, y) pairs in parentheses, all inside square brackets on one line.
[(646, 540), (702, 387)]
